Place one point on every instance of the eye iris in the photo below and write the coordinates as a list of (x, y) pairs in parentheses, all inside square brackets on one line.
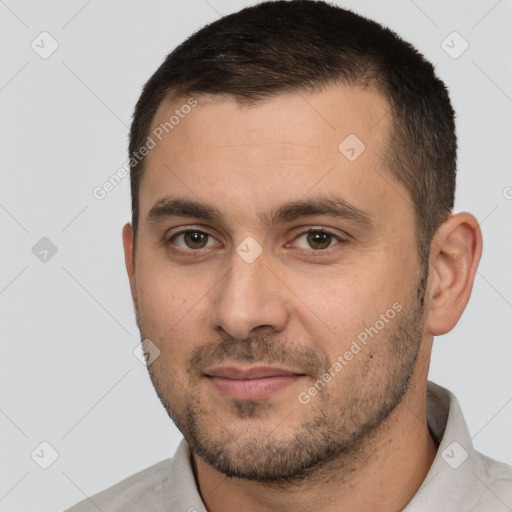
[(195, 239), (319, 239)]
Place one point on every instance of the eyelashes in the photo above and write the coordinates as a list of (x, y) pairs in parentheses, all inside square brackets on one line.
[(320, 237), (193, 239), (313, 239)]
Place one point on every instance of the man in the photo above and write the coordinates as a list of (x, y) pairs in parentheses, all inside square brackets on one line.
[(291, 256)]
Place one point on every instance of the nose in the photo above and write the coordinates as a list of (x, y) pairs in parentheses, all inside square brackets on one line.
[(249, 299)]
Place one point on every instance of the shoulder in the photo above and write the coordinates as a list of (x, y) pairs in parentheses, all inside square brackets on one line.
[(143, 489), (496, 478)]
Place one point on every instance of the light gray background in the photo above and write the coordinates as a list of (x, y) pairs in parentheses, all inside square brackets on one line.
[(68, 373)]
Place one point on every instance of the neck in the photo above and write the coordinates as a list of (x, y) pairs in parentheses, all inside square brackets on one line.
[(382, 473)]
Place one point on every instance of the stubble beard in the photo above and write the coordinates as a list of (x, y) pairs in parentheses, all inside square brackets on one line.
[(336, 427)]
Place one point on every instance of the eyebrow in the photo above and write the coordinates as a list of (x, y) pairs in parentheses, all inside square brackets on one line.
[(331, 206)]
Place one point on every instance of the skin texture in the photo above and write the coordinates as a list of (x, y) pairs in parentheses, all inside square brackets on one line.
[(362, 440)]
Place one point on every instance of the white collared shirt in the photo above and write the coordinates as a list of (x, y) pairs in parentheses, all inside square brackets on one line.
[(460, 478)]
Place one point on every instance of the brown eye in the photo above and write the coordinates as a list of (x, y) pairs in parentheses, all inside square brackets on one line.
[(319, 239), (192, 239), (316, 239), (195, 239)]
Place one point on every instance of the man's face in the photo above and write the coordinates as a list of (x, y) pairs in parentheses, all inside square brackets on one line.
[(277, 272)]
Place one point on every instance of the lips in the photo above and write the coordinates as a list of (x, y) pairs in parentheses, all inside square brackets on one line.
[(251, 383), (258, 372)]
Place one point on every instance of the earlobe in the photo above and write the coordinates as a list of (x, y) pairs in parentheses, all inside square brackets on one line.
[(455, 254), (129, 258)]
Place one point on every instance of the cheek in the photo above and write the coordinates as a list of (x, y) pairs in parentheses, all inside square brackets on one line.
[(169, 307), (334, 309)]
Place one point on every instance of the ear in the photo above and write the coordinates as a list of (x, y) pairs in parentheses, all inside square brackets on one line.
[(454, 257), (129, 258)]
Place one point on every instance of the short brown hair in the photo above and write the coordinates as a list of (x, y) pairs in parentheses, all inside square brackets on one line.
[(285, 46)]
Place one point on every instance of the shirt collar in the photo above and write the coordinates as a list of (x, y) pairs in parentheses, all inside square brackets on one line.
[(457, 468)]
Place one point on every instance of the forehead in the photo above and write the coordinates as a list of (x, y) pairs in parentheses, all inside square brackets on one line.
[(213, 149), (294, 116)]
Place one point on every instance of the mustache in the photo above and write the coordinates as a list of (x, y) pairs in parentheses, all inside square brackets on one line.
[(261, 349)]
